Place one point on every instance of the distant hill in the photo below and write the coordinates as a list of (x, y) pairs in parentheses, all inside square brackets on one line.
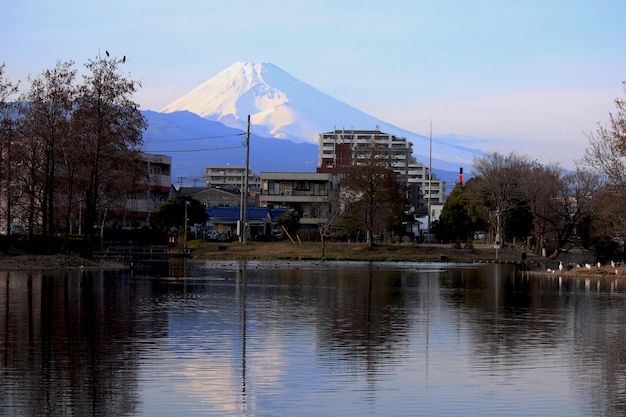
[(194, 142)]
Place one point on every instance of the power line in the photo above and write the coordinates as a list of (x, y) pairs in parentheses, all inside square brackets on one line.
[(199, 150), (198, 138)]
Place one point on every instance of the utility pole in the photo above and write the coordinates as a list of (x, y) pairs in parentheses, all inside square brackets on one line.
[(245, 188), (430, 180), (185, 232)]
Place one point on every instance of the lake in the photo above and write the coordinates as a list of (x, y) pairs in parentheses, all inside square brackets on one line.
[(312, 339)]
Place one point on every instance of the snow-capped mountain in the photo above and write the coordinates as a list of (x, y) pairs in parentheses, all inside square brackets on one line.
[(283, 107)]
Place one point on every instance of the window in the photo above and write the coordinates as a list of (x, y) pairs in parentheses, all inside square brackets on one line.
[(319, 188), (273, 188), (301, 185)]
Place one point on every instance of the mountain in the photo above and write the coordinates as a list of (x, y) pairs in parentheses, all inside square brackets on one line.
[(282, 107), (194, 142)]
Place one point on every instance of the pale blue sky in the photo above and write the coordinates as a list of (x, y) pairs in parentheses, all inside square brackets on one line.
[(533, 73)]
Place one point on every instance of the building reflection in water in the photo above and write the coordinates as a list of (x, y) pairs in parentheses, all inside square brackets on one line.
[(248, 338)]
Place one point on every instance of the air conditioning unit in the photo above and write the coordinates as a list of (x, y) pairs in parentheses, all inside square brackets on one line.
[(287, 192)]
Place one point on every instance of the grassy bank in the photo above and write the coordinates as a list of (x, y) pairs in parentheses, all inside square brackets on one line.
[(286, 250), (388, 253)]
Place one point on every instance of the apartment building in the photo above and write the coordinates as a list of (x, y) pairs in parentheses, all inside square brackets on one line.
[(230, 177), (339, 149), (151, 194), (306, 193), (342, 148)]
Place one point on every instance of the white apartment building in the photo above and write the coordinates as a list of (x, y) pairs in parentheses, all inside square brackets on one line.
[(230, 177), (342, 148), (418, 174)]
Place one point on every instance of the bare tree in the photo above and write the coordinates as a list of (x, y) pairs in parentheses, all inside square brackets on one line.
[(46, 115), (562, 208), (27, 182), (326, 213), (373, 198), (541, 189), (606, 153), (500, 183), (7, 135), (606, 156), (110, 127)]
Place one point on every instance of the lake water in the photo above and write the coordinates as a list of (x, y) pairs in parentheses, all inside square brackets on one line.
[(312, 339)]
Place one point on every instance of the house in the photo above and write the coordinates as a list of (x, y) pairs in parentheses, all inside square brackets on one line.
[(261, 221), (309, 194)]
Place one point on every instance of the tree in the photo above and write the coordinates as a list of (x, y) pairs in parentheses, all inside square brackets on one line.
[(290, 221), (326, 213), (606, 153), (373, 198), (171, 216), (599, 228), (45, 123), (110, 127), (7, 135), (462, 214), (564, 207), (500, 186), (541, 189), (606, 156)]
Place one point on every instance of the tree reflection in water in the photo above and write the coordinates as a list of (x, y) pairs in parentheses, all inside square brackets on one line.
[(254, 338)]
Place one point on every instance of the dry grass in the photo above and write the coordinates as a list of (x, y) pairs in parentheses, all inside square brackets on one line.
[(350, 252), (51, 262), (286, 250), (385, 253)]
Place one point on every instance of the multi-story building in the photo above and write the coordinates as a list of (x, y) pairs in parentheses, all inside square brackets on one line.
[(435, 192), (230, 177), (340, 149), (306, 193), (216, 197), (151, 194)]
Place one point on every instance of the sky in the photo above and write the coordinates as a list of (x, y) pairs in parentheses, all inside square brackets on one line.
[(531, 76)]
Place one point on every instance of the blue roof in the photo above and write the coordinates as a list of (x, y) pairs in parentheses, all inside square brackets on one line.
[(234, 212)]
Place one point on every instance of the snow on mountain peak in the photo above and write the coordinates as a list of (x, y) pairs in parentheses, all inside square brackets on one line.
[(240, 90), (281, 106)]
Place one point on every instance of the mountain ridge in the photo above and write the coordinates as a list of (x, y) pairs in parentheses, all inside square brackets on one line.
[(283, 107), (194, 142), (206, 126)]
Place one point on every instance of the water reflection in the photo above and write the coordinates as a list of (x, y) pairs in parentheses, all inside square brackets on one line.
[(56, 331), (304, 338)]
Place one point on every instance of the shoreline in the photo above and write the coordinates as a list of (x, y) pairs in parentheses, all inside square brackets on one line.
[(311, 251), (32, 262)]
